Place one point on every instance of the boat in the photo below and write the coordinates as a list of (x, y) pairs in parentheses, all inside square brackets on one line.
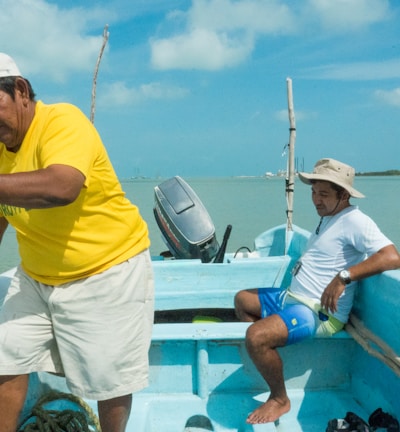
[(201, 377)]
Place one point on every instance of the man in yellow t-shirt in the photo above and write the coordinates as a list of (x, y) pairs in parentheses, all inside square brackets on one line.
[(85, 278)]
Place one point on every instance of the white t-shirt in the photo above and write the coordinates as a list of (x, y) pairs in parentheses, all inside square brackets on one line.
[(344, 240)]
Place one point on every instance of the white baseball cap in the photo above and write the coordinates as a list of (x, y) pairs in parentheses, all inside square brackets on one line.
[(8, 67)]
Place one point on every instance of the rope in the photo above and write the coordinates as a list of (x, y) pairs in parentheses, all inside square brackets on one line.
[(367, 339), (68, 420)]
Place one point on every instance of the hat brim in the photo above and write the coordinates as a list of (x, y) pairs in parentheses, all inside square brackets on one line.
[(308, 178)]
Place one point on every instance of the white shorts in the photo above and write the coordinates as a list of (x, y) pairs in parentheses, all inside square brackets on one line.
[(96, 331)]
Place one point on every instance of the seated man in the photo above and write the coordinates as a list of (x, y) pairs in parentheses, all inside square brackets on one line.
[(346, 246)]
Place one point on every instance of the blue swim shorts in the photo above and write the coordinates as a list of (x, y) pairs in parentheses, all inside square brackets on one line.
[(299, 319)]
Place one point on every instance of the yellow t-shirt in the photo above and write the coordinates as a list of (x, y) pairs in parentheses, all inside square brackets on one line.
[(99, 229)]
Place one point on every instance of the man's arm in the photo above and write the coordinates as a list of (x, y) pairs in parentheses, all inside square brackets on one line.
[(387, 258), (56, 185)]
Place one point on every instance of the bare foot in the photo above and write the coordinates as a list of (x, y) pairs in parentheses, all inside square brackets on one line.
[(269, 411)]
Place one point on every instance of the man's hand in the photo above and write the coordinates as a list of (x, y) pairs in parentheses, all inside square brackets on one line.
[(331, 294), (387, 258)]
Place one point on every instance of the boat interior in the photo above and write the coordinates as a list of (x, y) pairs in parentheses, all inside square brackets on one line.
[(201, 377)]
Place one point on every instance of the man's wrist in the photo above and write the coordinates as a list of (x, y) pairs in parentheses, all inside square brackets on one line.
[(345, 277)]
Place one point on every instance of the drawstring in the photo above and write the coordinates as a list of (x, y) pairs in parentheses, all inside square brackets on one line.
[(319, 225), (332, 213)]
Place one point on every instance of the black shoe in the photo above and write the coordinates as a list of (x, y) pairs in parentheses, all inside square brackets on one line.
[(351, 423), (379, 419), (357, 424), (337, 425)]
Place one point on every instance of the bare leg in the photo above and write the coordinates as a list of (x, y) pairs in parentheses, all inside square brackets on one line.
[(247, 305), (262, 339), (13, 391), (114, 413)]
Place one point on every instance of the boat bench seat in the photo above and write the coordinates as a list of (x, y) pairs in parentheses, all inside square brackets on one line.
[(212, 331)]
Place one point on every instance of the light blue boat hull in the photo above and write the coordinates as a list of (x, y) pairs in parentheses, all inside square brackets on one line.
[(203, 369)]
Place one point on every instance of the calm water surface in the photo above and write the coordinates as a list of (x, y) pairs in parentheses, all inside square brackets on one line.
[(251, 205)]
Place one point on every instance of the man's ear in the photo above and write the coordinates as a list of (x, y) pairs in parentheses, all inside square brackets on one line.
[(21, 87), (344, 196)]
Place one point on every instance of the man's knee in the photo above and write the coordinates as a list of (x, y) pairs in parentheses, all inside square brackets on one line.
[(258, 338), (239, 304), (247, 305), (242, 305), (270, 332)]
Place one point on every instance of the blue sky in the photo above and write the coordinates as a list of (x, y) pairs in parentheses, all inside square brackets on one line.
[(198, 88)]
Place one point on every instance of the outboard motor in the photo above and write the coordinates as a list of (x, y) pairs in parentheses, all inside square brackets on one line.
[(185, 224)]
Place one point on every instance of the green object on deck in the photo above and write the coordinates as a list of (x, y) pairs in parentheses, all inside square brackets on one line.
[(201, 319)]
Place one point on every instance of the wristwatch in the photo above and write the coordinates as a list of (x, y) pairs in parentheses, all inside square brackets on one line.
[(344, 276)]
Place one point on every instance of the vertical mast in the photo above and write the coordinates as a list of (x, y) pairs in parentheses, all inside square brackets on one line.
[(96, 71), (290, 175)]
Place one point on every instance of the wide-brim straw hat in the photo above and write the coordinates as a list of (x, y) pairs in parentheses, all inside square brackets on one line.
[(335, 172)]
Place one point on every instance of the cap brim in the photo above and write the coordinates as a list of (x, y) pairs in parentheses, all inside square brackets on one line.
[(8, 68)]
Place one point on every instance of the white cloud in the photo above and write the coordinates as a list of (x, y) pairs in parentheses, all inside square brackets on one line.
[(162, 91), (116, 94), (119, 94), (389, 97), (339, 15), (387, 69), (220, 33), (59, 41), (223, 33), (45, 39), (201, 49), (254, 16)]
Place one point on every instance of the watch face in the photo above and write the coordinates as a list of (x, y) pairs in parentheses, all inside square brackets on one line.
[(345, 276)]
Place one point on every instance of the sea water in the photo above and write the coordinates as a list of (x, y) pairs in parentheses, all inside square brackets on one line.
[(251, 205)]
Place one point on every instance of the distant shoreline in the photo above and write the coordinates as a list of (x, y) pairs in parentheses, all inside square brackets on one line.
[(379, 173), (268, 176)]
